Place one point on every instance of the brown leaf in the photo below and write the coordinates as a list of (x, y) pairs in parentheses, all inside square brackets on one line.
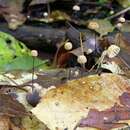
[(107, 119), (124, 43), (11, 11), (63, 59), (62, 107), (4, 123), (7, 124), (11, 107), (73, 35)]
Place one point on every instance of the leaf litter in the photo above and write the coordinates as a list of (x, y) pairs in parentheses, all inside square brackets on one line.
[(66, 95)]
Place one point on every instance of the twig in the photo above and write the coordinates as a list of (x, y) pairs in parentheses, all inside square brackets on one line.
[(119, 13), (82, 47), (48, 10), (10, 79), (99, 61), (14, 86), (81, 44)]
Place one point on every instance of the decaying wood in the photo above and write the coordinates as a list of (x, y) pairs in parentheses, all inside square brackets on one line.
[(43, 36), (36, 37)]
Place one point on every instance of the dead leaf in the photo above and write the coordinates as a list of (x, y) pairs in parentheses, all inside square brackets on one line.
[(125, 27), (11, 11), (64, 106), (11, 107), (124, 3), (104, 26), (73, 35), (107, 119), (123, 41), (59, 15), (4, 123)]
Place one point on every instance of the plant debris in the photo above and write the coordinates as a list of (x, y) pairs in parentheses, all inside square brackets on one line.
[(64, 65)]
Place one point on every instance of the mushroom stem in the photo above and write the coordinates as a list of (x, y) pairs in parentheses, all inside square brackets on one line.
[(33, 70), (82, 50), (48, 10)]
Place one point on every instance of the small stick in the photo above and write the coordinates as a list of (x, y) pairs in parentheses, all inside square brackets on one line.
[(48, 10), (82, 49), (81, 44), (20, 87), (119, 13)]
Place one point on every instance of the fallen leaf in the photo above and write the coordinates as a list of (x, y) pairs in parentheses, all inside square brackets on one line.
[(107, 119), (33, 124), (73, 35), (125, 27), (4, 123), (63, 107), (15, 55), (13, 16), (11, 107), (124, 3), (113, 67), (59, 15), (24, 63), (104, 26)]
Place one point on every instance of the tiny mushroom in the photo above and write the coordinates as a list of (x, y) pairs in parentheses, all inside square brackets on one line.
[(45, 14), (76, 8), (119, 25), (34, 53), (113, 51), (93, 25), (68, 46), (81, 59), (122, 20)]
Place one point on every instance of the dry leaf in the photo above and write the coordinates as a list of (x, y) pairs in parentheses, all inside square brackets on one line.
[(4, 123), (11, 107), (11, 11), (63, 107), (59, 15), (124, 3), (125, 27), (104, 26)]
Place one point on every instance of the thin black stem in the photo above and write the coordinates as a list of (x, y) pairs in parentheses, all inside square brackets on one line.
[(33, 70)]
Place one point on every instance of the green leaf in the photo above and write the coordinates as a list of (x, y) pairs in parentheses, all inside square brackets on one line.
[(10, 48), (24, 63), (14, 55)]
